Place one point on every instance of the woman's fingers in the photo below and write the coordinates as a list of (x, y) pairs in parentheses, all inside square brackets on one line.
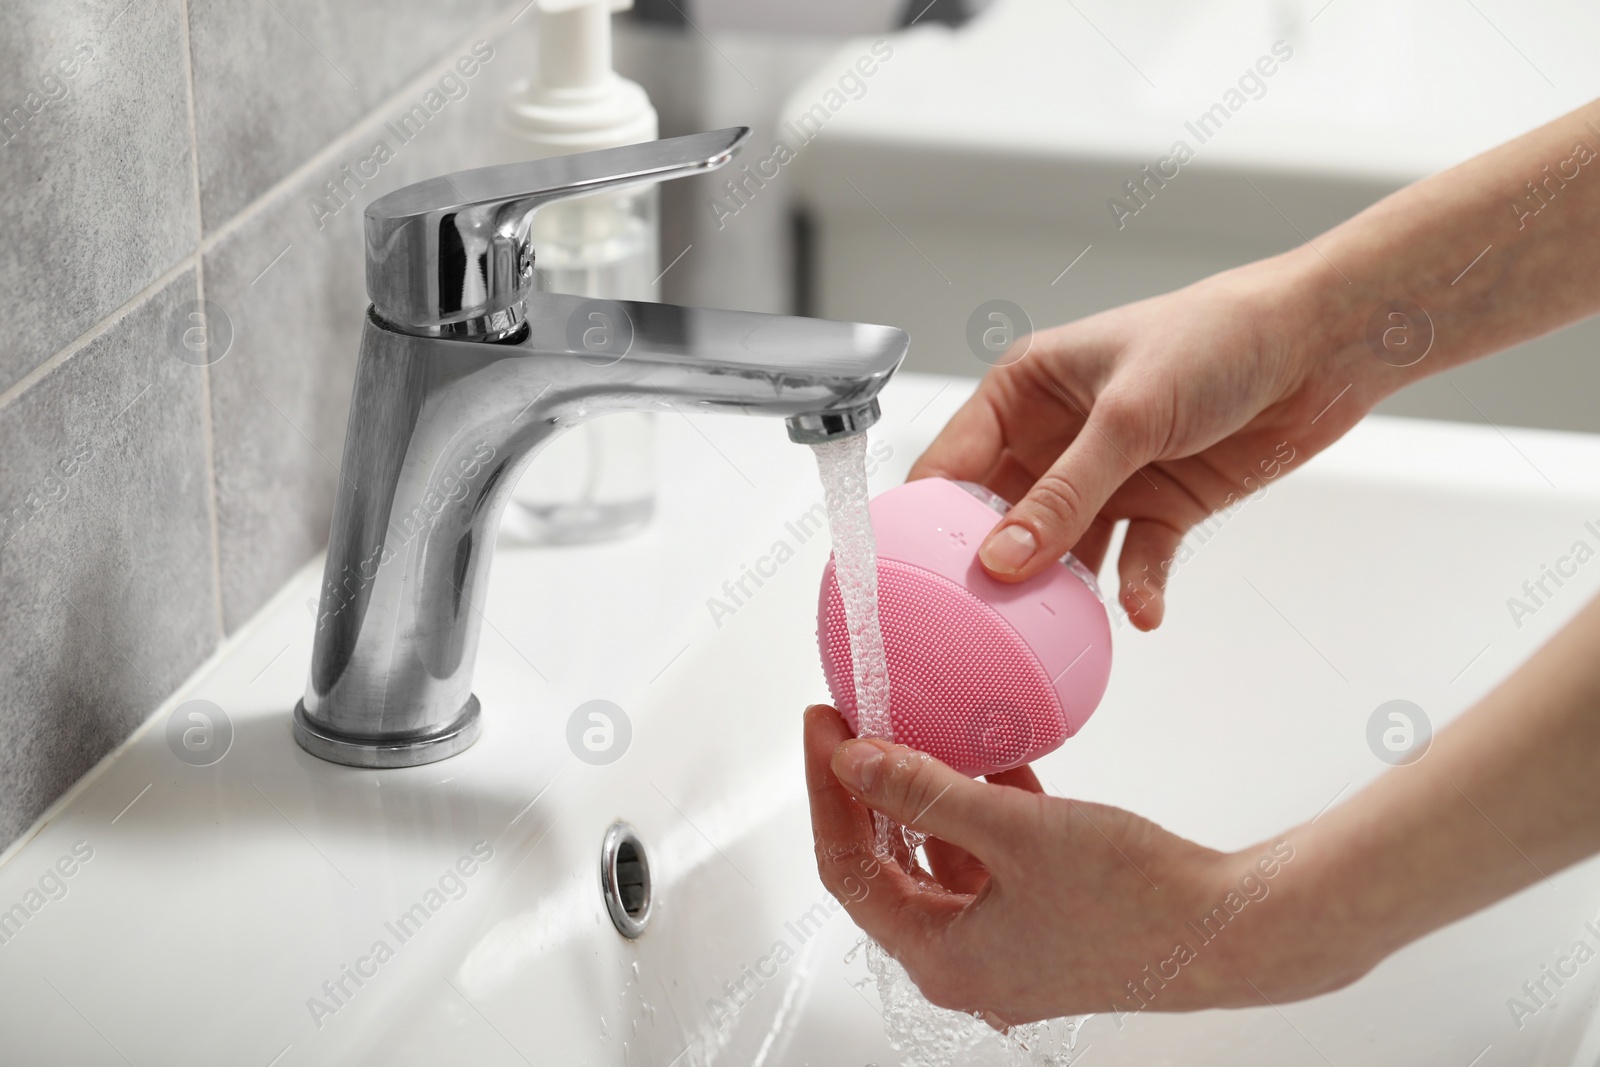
[(969, 444), (1017, 778), (900, 913), (835, 816), (925, 795), (959, 870), (1066, 499), (1044, 906), (1091, 547), (1145, 564), (955, 868)]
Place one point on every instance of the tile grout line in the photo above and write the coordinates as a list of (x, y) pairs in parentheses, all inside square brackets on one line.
[(207, 437), (228, 646), (95, 332), (256, 207), (341, 143), (194, 127), (208, 444)]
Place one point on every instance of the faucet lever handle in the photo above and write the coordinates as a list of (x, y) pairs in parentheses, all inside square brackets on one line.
[(452, 256)]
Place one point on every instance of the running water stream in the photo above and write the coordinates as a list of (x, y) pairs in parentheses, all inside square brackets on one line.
[(926, 1035), (843, 466)]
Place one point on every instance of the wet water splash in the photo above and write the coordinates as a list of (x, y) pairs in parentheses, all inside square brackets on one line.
[(929, 1036)]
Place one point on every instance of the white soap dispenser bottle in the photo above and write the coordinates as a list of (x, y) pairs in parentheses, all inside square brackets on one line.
[(597, 481)]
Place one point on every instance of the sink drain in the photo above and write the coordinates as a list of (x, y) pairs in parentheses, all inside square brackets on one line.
[(625, 880)]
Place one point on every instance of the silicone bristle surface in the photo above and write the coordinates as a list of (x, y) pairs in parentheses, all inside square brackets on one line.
[(963, 687)]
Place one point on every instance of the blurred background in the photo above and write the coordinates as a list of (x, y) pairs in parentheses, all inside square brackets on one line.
[(161, 156)]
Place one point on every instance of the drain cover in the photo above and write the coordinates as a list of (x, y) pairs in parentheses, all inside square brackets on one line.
[(625, 880)]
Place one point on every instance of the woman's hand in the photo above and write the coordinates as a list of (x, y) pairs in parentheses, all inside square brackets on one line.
[(1161, 413), (1041, 907), (1167, 410)]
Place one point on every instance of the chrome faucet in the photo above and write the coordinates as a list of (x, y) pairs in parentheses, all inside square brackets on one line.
[(466, 372)]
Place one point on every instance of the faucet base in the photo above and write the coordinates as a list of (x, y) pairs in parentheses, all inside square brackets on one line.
[(456, 736)]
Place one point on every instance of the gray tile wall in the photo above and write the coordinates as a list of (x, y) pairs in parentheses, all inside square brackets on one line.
[(159, 482)]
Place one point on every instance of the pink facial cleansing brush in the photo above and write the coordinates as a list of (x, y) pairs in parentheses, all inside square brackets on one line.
[(983, 675)]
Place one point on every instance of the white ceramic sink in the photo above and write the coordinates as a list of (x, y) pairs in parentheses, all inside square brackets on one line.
[(217, 900)]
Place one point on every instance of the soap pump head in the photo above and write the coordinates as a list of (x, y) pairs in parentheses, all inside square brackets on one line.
[(575, 102)]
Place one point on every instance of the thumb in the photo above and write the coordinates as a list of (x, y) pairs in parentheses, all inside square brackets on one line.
[(919, 792), (1047, 523)]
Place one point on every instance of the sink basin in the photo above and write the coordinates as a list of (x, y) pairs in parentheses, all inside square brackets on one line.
[(228, 905)]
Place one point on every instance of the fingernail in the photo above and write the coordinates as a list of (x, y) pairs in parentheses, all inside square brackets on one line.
[(1008, 549), (856, 763)]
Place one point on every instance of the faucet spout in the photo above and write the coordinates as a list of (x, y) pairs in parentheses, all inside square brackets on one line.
[(466, 372), (439, 431)]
